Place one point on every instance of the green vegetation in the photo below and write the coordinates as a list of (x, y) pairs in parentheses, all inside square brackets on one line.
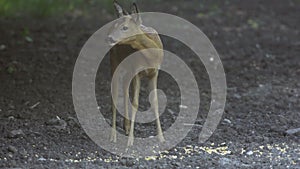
[(11, 69), (45, 8), (26, 35), (42, 8), (253, 24)]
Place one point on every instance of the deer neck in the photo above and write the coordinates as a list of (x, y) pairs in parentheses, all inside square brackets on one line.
[(145, 42)]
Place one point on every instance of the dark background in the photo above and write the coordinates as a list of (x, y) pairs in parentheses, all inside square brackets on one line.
[(258, 43)]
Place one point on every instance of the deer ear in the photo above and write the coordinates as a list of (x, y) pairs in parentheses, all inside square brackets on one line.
[(119, 9), (135, 10)]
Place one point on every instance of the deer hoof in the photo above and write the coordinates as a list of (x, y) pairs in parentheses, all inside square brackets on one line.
[(161, 138), (126, 126), (130, 142), (127, 129), (113, 136)]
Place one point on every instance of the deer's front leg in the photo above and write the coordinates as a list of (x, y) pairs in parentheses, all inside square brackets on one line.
[(113, 136), (135, 105), (154, 102), (126, 124)]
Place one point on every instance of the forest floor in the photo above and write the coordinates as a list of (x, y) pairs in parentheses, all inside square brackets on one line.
[(258, 43)]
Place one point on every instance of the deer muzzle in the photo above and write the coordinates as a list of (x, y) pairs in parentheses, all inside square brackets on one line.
[(110, 40)]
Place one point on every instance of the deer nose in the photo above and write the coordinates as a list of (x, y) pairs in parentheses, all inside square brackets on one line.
[(110, 40)]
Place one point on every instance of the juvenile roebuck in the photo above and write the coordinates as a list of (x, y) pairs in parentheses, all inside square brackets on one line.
[(124, 44)]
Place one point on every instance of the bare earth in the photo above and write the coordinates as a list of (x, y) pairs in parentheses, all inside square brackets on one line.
[(258, 43)]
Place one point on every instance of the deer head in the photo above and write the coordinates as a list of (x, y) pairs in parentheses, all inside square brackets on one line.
[(126, 27)]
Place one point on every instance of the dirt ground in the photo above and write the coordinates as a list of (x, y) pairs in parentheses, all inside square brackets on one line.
[(258, 43)]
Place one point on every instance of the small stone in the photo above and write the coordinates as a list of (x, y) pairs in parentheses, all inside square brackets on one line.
[(225, 161), (227, 121), (13, 163), (174, 8), (237, 96), (183, 106), (12, 118), (16, 133), (10, 155), (141, 167), (177, 164), (293, 131), (12, 149), (129, 163), (2, 47), (249, 153), (122, 167), (123, 161), (53, 121), (72, 121), (23, 153), (282, 120), (171, 111), (41, 159), (57, 123), (29, 39)]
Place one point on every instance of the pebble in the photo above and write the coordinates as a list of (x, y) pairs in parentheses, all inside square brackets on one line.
[(14, 164), (225, 161), (23, 153), (16, 133), (249, 153), (174, 8), (72, 121), (177, 164), (232, 162), (57, 123), (237, 96), (41, 159), (11, 118), (121, 167), (293, 131), (10, 155), (12, 149), (123, 161), (227, 121), (129, 163), (183, 106), (2, 47), (282, 120)]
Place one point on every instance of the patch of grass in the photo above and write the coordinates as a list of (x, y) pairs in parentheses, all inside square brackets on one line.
[(253, 24), (212, 10), (11, 69), (44, 8)]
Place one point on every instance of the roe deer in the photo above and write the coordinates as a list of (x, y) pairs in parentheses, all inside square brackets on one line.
[(128, 35)]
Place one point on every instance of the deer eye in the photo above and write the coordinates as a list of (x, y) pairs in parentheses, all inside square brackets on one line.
[(124, 28)]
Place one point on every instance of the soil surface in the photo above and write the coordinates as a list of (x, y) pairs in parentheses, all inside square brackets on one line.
[(258, 43)]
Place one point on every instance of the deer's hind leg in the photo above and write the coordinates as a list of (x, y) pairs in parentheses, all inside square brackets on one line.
[(154, 102), (136, 84), (126, 83)]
